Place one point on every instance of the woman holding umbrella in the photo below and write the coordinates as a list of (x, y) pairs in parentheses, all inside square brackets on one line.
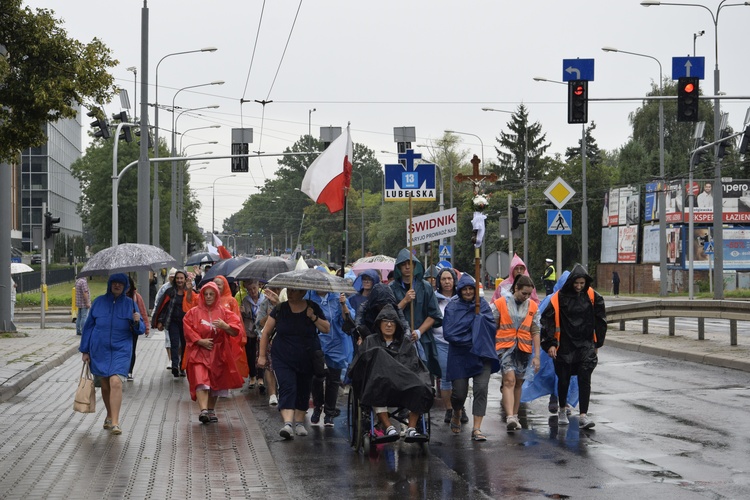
[(107, 343), (297, 323)]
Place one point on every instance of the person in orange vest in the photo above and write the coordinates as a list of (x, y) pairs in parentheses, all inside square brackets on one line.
[(516, 343), (574, 325)]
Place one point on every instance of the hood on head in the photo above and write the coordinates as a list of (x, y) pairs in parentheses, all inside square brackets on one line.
[(464, 281), (440, 274), (577, 272), (431, 272), (403, 256), (371, 273), (119, 278), (515, 262), (389, 312), (381, 295), (227, 292), (202, 300)]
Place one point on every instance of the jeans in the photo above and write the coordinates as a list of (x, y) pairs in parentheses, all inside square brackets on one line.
[(83, 313), (325, 390), (177, 343)]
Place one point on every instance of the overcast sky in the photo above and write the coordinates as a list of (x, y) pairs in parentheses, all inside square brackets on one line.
[(431, 64)]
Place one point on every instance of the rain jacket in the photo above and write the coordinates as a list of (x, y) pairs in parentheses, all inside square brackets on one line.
[(227, 301), (380, 296), (507, 283), (580, 321), (425, 305), (391, 375), (164, 307), (356, 300), (544, 381), (108, 331), (470, 336), (221, 360), (336, 345)]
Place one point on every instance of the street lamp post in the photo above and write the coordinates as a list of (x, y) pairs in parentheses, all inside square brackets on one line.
[(718, 193), (175, 226), (662, 179), (155, 221), (473, 135), (213, 201), (309, 127)]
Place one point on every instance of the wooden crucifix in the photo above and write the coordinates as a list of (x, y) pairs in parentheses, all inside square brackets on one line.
[(476, 179)]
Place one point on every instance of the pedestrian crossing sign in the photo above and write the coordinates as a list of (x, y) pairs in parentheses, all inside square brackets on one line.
[(559, 222), (708, 248), (445, 252)]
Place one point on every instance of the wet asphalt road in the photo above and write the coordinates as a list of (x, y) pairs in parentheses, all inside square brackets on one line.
[(665, 429)]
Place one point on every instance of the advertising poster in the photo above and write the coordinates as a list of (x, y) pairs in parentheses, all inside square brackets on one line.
[(627, 244), (629, 206), (674, 246), (651, 207), (701, 235), (736, 248), (614, 206), (675, 204), (650, 244), (609, 245), (605, 210)]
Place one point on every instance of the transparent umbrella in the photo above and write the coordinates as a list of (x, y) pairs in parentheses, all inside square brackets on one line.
[(125, 258), (263, 269), (311, 279)]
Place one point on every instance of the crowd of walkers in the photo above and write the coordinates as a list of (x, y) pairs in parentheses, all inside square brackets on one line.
[(299, 348)]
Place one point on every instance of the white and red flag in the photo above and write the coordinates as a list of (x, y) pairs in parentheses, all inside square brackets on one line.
[(220, 248), (330, 175)]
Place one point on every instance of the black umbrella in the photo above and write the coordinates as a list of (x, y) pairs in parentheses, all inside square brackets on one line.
[(314, 262), (263, 269), (201, 258), (125, 258), (224, 267)]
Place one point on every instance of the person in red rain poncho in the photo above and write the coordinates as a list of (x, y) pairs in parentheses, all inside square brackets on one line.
[(227, 300), (209, 352)]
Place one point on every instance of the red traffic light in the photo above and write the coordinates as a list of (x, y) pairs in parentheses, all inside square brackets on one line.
[(578, 90), (689, 88)]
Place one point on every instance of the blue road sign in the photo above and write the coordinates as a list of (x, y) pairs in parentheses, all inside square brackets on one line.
[(708, 248), (410, 181), (445, 252), (578, 69), (560, 222), (688, 66)]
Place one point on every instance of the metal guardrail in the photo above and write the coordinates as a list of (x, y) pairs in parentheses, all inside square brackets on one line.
[(29, 282), (701, 309)]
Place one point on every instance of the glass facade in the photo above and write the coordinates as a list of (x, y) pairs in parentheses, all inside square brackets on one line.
[(46, 178)]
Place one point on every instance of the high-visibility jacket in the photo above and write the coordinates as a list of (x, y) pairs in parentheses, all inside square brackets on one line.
[(555, 302), (552, 276), (507, 335)]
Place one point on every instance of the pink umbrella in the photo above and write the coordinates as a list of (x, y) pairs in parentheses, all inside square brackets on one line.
[(381, 263)]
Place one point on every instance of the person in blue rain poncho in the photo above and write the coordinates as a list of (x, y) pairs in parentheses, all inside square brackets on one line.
[(545, 381), (107, 343), (338, 351), (471, 353)]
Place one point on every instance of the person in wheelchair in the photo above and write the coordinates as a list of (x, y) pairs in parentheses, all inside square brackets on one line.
[(388, 372), (367, 313)]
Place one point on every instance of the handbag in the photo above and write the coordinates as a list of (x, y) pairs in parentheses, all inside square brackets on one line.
[(85, 398)]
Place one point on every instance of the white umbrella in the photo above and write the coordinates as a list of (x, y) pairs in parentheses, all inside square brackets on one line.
[(311, 279), (127, 257), (19, 267)]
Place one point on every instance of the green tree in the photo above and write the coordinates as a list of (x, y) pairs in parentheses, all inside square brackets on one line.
[(523, 140), (45, 75)]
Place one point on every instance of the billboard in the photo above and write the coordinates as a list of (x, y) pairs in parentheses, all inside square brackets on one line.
[(609, 245), (735, 202), (651, 206), (629, 206), (614, 207), (674, 246), (650, 246), (736, 248), (627, 244)]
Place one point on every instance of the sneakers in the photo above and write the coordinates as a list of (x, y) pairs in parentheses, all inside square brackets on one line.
[(562, 418), (390, 435), (175, 372), (287, 432), (584, 422), (391, 431), (328, 420), (204, 417), (448, 415), (130, 377), (464, 416), (300, 430), (568, 410), (512, 423), (315, 417), (553, 404), (273, 400), (412, 436)]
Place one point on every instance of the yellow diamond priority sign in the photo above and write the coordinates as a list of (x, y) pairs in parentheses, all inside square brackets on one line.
[(559, 192)]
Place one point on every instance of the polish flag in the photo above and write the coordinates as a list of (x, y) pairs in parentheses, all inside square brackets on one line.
[(220, 248), (331, 174)]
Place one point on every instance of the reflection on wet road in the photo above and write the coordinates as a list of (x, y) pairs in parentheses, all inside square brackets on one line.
[(664, 429)]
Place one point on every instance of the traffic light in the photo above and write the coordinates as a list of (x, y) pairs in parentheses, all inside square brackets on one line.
[(721, 148), (687, 99), (100, 123), (126, 133), (697, 157), (516, 212), (578, 101), (150, 139), (49, 225)]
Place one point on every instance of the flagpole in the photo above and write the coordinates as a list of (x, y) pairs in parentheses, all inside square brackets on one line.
[(411, 261), (344, 235)]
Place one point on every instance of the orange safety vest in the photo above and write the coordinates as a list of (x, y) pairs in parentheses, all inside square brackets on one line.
[(507, 336), (555, 302)]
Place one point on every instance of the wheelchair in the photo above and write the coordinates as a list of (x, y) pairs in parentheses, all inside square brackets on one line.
[(364, 435)]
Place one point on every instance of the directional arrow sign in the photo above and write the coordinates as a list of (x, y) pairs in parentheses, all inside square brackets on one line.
[(688, 66), (578, 69)]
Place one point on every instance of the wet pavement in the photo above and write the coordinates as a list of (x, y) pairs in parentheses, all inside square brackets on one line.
[(666, 428)]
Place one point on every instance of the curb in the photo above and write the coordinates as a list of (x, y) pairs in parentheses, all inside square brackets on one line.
[(23, 379), (719, 360)]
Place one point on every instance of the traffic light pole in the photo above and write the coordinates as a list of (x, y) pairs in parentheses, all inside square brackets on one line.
[(510, 228), (43, 285), (584, 208), (116, 182)]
